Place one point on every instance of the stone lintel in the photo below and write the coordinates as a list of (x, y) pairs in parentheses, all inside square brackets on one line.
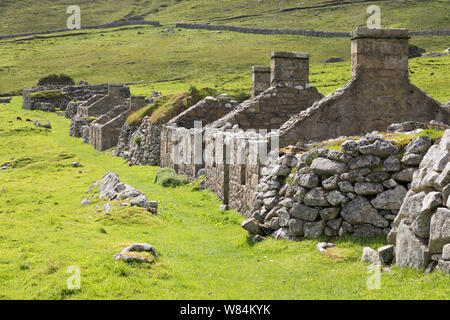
[(390, 33), (261, 69), (289, 55)]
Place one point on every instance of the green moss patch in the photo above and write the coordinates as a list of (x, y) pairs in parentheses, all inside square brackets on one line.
[(167, 107), (48, 94)]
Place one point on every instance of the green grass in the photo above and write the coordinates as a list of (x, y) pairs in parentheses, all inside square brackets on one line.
[(401, 139), (48, 15), (204, 254), (48, 94), (194, 57), (167, 177)]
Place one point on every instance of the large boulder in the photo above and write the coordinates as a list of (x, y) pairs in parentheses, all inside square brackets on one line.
[(323, 166), (360, 211), (410, 250), (390, 199)]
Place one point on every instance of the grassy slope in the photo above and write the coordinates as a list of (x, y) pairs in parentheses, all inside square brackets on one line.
[(32, 16), (201, 58), (204, 253)]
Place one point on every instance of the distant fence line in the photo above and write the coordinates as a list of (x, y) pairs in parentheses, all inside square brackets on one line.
[(308, 33), (101, 26)]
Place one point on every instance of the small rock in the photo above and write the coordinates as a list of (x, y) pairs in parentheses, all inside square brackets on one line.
[(369, 255), (251, 225), (386, 255), (85, 202), (323, 246)]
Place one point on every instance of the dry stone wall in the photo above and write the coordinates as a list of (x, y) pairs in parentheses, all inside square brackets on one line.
[(421, 230), (358, 190), (72, 93)]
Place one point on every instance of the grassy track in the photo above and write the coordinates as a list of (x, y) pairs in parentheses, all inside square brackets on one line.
[(204, 253)]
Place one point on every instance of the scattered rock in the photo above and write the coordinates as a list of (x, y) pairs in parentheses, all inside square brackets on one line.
[(323, 246), (369, 255), (386, 255)]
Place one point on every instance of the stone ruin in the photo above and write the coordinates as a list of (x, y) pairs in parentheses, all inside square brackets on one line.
[(70, 94), (105, 131), (378, 94), (288, 94), (260, 79), (370, 187), (99, 120), (180, 133)]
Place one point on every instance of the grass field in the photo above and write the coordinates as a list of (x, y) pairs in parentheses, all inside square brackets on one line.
[(195, 57), (35, 16), (204, 252)]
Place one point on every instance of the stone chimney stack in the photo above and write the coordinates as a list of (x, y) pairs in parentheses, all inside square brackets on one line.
[(136, 103), (380, 54), (291, 68), (261, 79)]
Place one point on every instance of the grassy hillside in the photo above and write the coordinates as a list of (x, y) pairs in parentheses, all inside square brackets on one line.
[(145, 57), (204, 254), (33, 16)]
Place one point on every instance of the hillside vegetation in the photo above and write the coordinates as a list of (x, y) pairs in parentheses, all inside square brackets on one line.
[(34, 16), (204, 253), (149, 59)]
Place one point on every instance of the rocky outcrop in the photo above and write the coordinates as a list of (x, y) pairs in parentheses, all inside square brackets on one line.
[(358, 190), (422, 228)]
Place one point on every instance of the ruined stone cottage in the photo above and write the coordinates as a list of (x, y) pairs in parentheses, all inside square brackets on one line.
[(378, 94)]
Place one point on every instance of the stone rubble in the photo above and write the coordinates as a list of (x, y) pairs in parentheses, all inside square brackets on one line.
[(421, 230)]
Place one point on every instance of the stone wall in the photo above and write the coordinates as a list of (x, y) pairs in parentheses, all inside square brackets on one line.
[(378, 94), (289, 94), (309, 33), (234, 159), (358, 190), (144, 144), (260, 79), (117, 94), (177, 131), (105, 131), (125, 139), (422, 227), (72, 93)]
